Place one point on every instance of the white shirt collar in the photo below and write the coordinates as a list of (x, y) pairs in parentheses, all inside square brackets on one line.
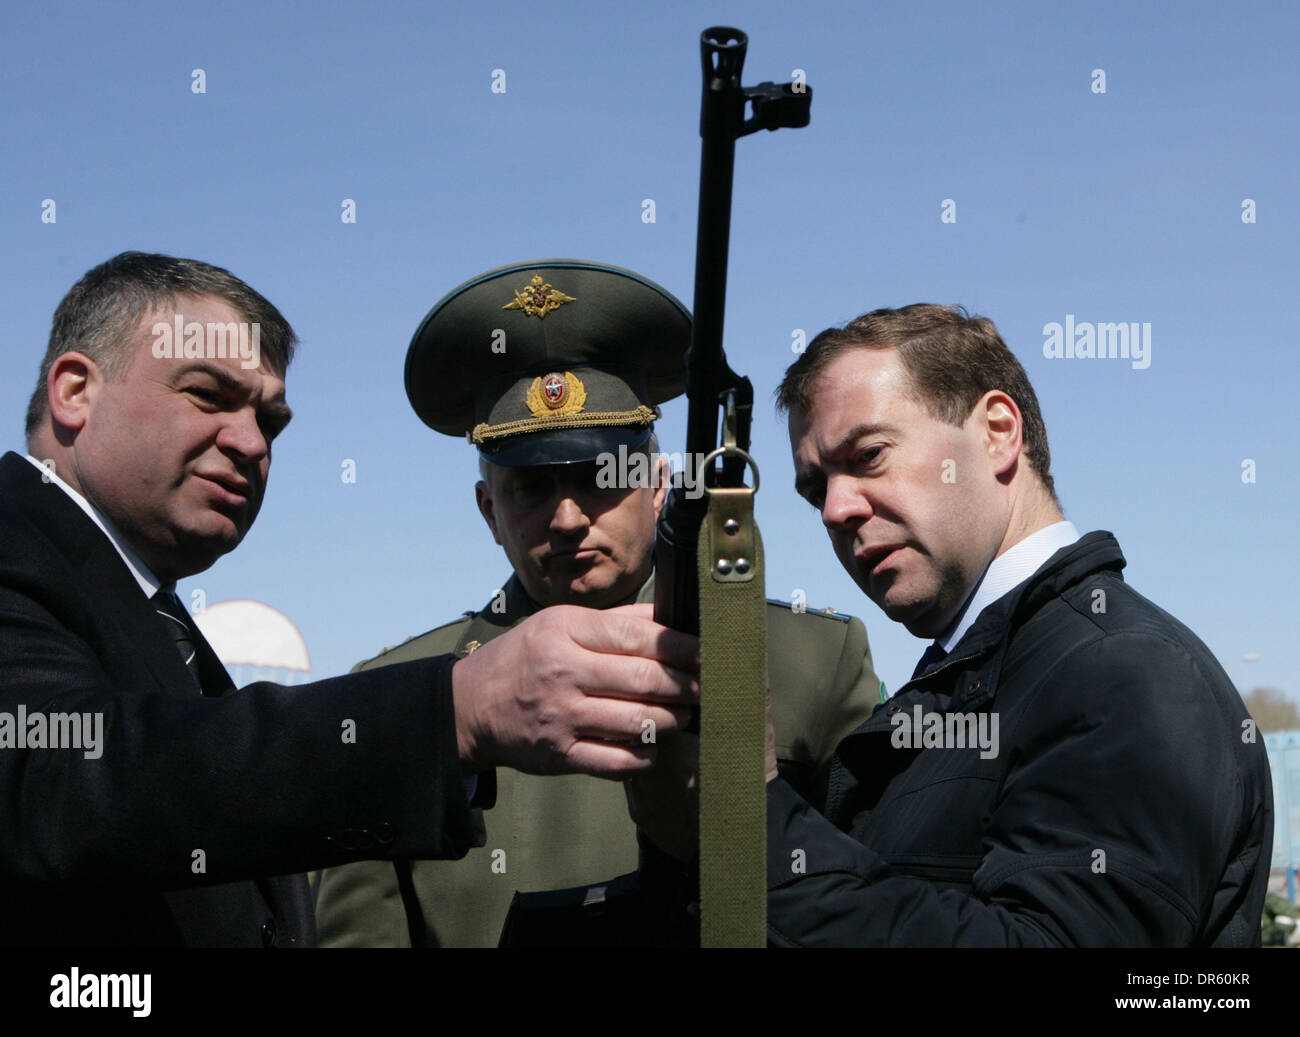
[(1007, 571), (143, 576)]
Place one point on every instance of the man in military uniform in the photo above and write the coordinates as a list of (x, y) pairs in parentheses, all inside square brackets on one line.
[(554, 369)]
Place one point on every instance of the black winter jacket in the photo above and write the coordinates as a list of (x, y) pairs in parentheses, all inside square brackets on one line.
[(1128, 802)]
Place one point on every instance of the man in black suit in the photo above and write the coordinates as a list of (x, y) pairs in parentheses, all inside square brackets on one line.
[(147, 804)]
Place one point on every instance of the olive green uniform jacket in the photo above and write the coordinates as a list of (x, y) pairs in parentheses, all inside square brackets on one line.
[(554, 832)]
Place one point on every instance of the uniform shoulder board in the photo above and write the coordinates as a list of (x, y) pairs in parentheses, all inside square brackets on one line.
[(826, 613), (441, 626), (414, 637)]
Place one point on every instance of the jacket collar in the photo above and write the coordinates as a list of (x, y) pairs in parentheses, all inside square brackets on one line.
[(969, 676), (144, 576), (54, 517), (1096, 552)]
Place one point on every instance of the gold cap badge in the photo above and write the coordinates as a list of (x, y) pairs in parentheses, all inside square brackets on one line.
[(555, 394), (538, 298)]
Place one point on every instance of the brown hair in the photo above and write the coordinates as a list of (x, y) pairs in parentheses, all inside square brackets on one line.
[(952, 358), (100, 312)]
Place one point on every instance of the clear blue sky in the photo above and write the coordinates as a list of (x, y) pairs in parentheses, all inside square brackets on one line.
[(1122, 206)]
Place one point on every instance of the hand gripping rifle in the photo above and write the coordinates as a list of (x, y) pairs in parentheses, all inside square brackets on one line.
[(708, 555)]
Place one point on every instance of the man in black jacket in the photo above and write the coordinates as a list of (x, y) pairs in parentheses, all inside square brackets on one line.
[(1069, 765), (146, 801)]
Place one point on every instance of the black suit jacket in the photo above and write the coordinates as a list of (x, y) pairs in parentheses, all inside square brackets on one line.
[(266, 781)]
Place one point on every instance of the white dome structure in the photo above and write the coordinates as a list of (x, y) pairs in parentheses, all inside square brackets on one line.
[(255, 641)]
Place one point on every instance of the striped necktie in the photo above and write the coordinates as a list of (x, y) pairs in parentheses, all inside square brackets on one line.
[(167, 605)]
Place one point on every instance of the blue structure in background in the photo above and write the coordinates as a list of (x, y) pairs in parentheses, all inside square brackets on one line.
[(1284, 761)]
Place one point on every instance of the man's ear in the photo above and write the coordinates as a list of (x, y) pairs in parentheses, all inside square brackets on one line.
[(487, 507), (72, 386), (1003, 430), (663, 479)]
